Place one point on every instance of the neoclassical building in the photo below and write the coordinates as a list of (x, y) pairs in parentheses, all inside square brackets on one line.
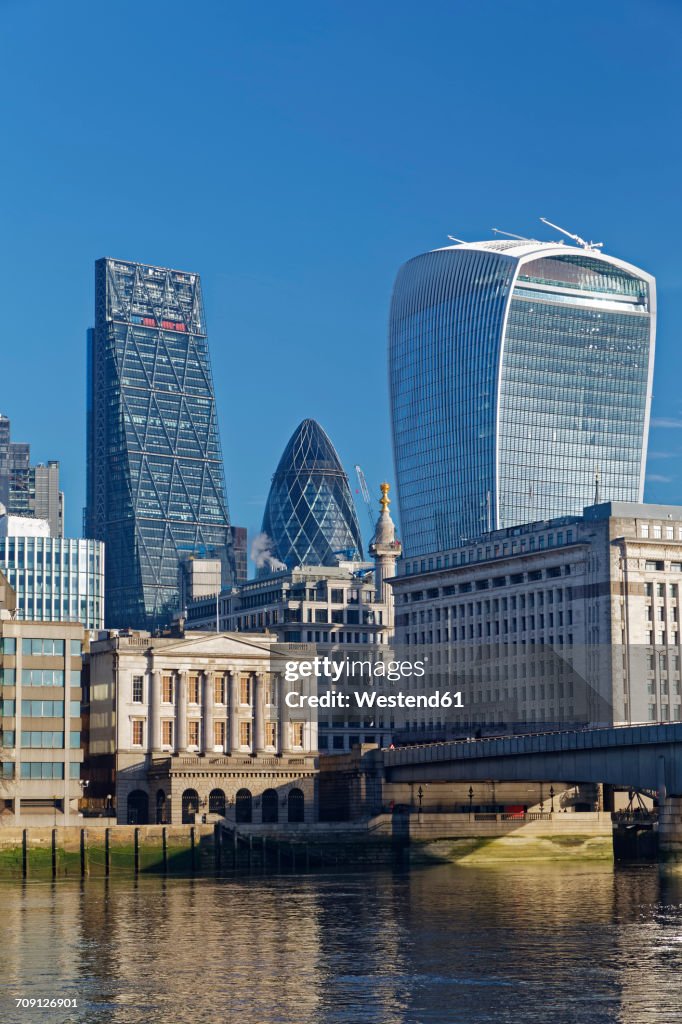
[(197, 724)]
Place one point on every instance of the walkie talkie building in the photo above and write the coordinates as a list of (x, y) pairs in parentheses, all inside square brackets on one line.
[(520, 372), (155, 480)]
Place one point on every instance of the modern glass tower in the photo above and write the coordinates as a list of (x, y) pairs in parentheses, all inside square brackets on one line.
[(520, 378), (310, 517), (155, 487)]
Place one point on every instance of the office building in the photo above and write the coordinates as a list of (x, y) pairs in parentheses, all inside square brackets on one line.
[(155, 482), (520, 379), (310, 517), (573, 621), (40, 727), (27, 490), (55, 579), (194, 724), (239, 543)]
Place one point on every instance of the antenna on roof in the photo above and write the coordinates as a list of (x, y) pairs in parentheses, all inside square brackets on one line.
[(576, 238), (521, 238), (460, 240)]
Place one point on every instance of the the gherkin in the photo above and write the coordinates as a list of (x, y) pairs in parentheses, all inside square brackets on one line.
[(310, 517)]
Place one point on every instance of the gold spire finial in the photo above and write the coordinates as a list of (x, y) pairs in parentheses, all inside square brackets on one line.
[(385, 500)]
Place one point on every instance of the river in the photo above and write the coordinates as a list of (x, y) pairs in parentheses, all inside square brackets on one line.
[(580, 944)]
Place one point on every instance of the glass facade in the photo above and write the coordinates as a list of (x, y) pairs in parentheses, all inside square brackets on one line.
[(518, 372), (55, 579), (156, 489), (310, 517)]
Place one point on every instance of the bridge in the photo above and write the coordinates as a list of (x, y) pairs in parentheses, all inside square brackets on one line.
[(637, 757)]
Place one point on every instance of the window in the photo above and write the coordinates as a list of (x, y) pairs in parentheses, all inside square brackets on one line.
[(75, 648), (167, 689), (245, 734), (220, 690), (193, 732), (193, 689), (42, 770), (74, 709), (167, 734), (43, 677), (42, 646), (657, 531), (138, 685), (138, 729), (271, 689), (644, 530), (297, 734), (219, 734), (245, 690), (43, 739), (271, 734), (8, 645), (42, 708), (75, 740), (337, 596)]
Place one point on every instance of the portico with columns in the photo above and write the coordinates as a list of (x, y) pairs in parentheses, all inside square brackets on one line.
[(198, 725)]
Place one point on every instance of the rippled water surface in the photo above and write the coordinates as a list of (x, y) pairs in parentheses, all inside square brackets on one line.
[(440, 945)]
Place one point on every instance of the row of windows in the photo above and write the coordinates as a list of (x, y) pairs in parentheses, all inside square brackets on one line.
[(219, 733), (48, 770), (501, 549), (39, 677), (39, 646), (658, 532)]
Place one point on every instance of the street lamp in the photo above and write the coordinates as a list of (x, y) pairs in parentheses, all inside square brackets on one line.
[(471, 798), (551, 796), (420, 797)]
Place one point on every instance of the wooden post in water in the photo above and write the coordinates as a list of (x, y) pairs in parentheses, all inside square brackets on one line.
[(24, 853), (136, 850), (54, 852), (164, 849), (84, 852), (107, 852)]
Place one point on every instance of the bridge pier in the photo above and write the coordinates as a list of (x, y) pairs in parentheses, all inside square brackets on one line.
[(670, 831)]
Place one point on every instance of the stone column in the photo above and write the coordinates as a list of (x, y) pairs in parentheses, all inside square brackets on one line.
[(233, 741), (258, 698), (154, 712), (282, 723), (208, 700), (181, 710)]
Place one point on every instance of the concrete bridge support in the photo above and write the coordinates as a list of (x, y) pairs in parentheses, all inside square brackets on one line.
[(670, 831)]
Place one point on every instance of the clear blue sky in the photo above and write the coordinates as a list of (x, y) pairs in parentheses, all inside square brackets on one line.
[(295, 155)]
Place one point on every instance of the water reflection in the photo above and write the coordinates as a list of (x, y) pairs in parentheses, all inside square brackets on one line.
[(438, 946)]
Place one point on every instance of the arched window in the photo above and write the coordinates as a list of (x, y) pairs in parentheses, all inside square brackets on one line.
[(216, 802), (296, 804), (270, 807), (138, 808), (243, 806), (190, 806), (161, 807)]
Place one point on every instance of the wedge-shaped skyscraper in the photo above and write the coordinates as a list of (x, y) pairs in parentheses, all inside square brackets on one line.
[(520, 375), (155, 488), (310, 517)]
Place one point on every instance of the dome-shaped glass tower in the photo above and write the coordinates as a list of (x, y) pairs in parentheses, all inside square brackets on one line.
[(310, 517)]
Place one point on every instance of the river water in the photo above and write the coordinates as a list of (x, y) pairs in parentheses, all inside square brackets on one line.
[(440, 945)]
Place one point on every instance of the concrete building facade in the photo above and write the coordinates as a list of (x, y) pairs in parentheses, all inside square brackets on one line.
[(41, 723), (573, 620), (197, 724)]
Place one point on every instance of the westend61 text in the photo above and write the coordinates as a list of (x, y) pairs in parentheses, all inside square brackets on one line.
[(372, 699)]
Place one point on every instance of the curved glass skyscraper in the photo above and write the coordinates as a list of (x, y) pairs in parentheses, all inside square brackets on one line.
[(518, 371), (310, 517)]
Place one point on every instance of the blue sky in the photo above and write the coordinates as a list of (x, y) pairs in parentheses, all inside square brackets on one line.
[(295, 155)]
